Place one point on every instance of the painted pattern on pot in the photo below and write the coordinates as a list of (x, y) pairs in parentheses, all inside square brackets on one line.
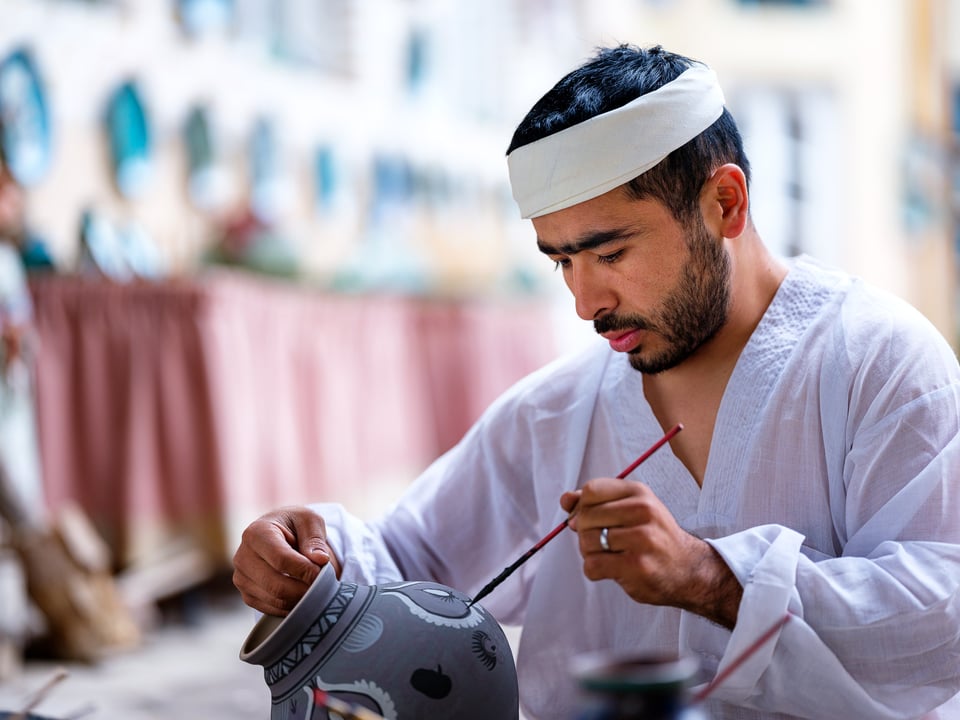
[(405, 651)]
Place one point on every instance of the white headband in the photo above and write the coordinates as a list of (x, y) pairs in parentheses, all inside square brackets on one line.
[(608, 150)]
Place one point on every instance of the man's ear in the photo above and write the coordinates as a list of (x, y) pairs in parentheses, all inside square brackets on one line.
[(725, 202)]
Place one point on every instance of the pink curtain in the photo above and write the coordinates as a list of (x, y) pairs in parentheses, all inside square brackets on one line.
[(176, 412)]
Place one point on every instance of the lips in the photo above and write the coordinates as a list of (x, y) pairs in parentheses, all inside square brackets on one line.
[(623, 342)]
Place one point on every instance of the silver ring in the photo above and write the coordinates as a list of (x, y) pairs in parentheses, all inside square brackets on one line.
[(604, 539)]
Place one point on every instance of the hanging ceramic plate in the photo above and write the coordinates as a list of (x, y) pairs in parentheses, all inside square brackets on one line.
[(130, 140), (207, 183), (417, 59), (267, 188), (101, 247), (24, 120), (325, 178), (202, 17)]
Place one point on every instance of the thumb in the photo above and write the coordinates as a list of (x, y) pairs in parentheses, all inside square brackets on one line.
[(311, 533), (569, 500), (316, 548)]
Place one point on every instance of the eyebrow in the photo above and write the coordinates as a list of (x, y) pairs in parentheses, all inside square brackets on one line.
[(589, 241)]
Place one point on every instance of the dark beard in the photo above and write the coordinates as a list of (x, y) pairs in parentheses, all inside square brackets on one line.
[(690, 315)]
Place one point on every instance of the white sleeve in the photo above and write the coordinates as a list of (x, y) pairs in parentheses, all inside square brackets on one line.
[(358, 546), (463, 501), (487, 500), (875, 632), (468, 511)]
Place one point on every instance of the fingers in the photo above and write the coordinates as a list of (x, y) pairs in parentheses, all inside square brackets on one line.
[(626, 534), (636, 524), (606, 502), (310, 532), (269, 593), (592, 542), (280, 555), (569, 500), (602, 491)]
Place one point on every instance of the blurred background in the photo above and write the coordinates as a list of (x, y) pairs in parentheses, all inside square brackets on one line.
[(269, 253)]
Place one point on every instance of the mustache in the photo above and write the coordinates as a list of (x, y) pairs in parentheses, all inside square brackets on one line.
[(618, 323)]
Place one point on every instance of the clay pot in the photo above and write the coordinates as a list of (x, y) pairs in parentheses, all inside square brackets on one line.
[(405, 651), (626, 687)]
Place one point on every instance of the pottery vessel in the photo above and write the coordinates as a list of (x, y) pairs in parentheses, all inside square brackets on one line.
[(405, 651), (628, 687)]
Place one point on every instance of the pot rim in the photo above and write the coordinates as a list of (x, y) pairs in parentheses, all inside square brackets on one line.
[(264, 644)]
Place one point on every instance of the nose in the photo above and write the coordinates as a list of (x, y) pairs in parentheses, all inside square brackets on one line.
[(592, 296)]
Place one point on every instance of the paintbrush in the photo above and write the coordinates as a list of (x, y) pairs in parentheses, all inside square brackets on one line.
[(740, 659), (509, 570), (39, 695)]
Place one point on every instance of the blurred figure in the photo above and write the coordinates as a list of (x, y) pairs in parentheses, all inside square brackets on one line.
[(19, 480), (65, 564), (14, 230), (21, 499)]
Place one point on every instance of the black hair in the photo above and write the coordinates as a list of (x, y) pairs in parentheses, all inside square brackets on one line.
[(614, 77)]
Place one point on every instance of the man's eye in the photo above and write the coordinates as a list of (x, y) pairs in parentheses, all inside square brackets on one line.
[(562, 263), (612, 257)]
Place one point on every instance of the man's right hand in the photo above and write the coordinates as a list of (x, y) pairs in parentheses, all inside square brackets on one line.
[(280, 555)]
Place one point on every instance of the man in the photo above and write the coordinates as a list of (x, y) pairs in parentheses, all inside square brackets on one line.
[(814, 475)]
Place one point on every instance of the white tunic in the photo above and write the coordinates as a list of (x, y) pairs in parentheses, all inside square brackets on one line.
[(832, 490)]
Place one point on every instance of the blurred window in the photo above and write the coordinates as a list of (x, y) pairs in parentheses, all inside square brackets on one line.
[(316, 33), (791, 137)]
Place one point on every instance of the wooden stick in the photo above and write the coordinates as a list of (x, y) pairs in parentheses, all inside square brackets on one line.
[(40, 694)]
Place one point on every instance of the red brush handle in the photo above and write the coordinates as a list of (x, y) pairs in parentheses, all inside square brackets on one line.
[(509, 570)]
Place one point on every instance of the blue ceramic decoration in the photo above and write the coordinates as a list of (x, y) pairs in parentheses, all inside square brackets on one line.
[(101, 248), (266, 190), (417, 59), (24, 119), (203, 17), (141, 253), (325, 178), (130, 140), (206, 182), (200, 150)]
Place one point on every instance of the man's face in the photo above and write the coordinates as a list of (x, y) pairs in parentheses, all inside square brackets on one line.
[(656, 289)]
